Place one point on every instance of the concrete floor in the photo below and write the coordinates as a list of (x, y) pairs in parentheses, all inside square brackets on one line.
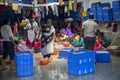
[(57, 70)]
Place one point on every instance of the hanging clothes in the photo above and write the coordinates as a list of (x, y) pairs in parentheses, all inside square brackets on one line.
[(50, 11), (60, 2), (70, 5), (2, 7), (55, 10), (42, 12), (46, 7), (66, 9), (61, 10), (15, 6)]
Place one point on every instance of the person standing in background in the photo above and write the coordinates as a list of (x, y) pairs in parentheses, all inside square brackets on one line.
[(8, 44), (89, 27), (23, 29), (31, 27)]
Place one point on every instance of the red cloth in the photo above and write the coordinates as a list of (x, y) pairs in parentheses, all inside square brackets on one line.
[(28, 43), (2, 7), (36, 45), (15, 29), (97, 45)]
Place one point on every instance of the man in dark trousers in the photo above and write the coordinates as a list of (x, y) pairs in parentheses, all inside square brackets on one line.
[(8, 44), (89, 27)]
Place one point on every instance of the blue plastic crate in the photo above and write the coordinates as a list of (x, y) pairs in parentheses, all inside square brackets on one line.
[(102, 56), (100, 17), (85, 18), (63, 53), (81, 57), (99, 14), (105, 5), (116, 4), (88, 12), (24, 70), (23, 58), (15, 1), (116, 11), (81, 69), (116, 17), (27, 1), (107, 15), (93, 6), (51, 1)]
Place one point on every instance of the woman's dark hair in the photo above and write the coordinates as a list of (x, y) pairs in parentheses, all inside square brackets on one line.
[(97, 30), (49, 20), (91, 16), (6, 21)]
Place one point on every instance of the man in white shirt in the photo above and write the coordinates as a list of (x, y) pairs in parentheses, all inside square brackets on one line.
[(89, 27), (8, 44)]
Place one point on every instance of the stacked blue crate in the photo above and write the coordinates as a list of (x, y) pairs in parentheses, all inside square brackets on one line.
[(106, 5), (15, 1), (116, 14), (107, 15), (85, 18), (24, 63), (63, 53), (51, 1), (81, 62), (102, 56), (75, 15), (27, 1), (94, 10), (116, 4), (100, 13), (88, 12), (116, 10)]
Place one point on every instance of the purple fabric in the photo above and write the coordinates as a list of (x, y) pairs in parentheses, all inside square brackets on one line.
[(68, 32)]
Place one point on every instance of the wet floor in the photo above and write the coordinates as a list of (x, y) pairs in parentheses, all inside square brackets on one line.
[(57, 70)]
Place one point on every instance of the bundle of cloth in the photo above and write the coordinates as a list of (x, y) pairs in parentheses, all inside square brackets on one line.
[(77, 40)]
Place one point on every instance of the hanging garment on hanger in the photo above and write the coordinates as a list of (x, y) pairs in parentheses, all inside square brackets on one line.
[(61, 10), (42, 12), (50, 11), (46, 8), (15, 6), (2, 7), (60, 2), (55, 10), (66, 9), (70, 5)]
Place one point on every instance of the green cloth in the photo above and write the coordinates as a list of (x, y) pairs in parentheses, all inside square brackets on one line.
[(16, 37)]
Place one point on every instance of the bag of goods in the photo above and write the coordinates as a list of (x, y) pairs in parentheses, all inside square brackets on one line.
[(23, 24)]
